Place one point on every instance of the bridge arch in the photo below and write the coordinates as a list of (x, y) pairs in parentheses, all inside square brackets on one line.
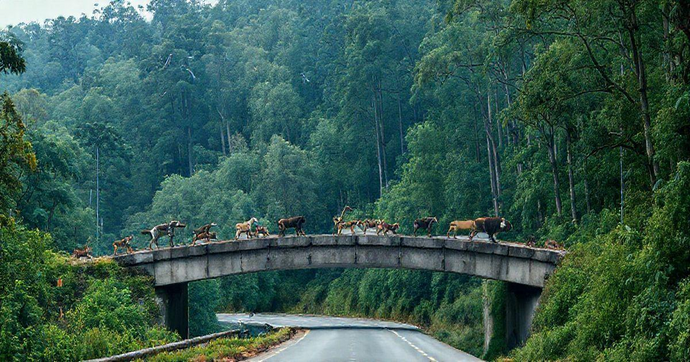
[(524, 268)]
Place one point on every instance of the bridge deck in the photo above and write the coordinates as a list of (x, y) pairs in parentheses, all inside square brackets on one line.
[(516, 263)]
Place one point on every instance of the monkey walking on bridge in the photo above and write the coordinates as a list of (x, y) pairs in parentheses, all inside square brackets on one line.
[(203, 232), (163, 229), (386, 227), (457, 225), (292, 222), (369, 224), (491, 226), (339, 219), (208, 235), (261, 231), (245, 228), (123, 243), (424, 223)]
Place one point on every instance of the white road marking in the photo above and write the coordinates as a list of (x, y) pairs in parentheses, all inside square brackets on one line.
[(432, 359), (284, 348)]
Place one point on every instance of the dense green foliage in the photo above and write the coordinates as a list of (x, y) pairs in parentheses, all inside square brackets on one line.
[(624, 295), (99, 310), (571, 118)]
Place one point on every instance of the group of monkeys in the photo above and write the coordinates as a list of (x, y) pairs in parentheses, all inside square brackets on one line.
[(490, 225), (251, 228)]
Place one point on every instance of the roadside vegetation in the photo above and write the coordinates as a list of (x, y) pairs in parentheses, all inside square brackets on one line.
[(230, 349), (53, 308)]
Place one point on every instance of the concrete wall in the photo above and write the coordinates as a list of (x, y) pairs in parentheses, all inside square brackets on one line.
[(513, 263)]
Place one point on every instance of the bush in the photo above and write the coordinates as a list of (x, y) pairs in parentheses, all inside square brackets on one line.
[(623, 295), (106, 309)]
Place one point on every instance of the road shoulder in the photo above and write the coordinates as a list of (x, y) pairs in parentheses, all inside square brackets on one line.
[(297, 337)]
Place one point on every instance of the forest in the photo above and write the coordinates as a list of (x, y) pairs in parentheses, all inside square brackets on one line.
[(570, 118)]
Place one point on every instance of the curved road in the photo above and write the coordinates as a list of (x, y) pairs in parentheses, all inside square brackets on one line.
[(349, 339)]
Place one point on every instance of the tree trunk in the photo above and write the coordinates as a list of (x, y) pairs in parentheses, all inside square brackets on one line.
[(227, 133), (383, 137), (378, 144), (571, 179), (644, 101), (189, 151), (493, 152), (222, 140), (668, 60), (492, 176), (554, 169), (400, 126), (499, 127), (477, 149), (586, 184)]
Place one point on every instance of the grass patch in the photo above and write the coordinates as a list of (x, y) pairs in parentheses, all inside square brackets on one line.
[(227, 348)]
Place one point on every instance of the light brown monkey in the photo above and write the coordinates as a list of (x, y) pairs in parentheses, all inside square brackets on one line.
[(338, 219), (369, 224), (123, 243), (386, 227), (245, 228), (347, 224), (461, 225)]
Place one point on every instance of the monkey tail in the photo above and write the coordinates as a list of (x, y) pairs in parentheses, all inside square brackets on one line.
[(145, 232)]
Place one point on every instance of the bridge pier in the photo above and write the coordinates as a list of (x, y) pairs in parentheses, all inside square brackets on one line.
[(174, 303), (521, 303), (507, 324)]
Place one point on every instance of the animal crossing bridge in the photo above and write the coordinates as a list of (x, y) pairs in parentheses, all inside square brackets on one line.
[(524, 268)]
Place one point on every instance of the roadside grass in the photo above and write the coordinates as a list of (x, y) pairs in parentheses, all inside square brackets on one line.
[(227, 349)]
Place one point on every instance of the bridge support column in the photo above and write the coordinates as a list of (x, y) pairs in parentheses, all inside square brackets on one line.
[(508, 312), (521, 303), (174, 303)]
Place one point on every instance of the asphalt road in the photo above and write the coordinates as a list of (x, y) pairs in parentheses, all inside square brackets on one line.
[(350, 339)]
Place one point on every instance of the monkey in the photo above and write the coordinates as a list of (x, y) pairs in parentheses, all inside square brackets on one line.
[(261, 230), (292, 222), (245, 228), (347, 224), (338, 219), (531, 241), (385, 227), (460, 225), (553, 244), (163, 229), (84, 252), (204, 228), (123, 243), (208, 235), (424, 223), (369, 223), (491, 226)]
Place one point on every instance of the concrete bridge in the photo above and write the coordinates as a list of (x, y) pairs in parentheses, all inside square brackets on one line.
[(524, 268)]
